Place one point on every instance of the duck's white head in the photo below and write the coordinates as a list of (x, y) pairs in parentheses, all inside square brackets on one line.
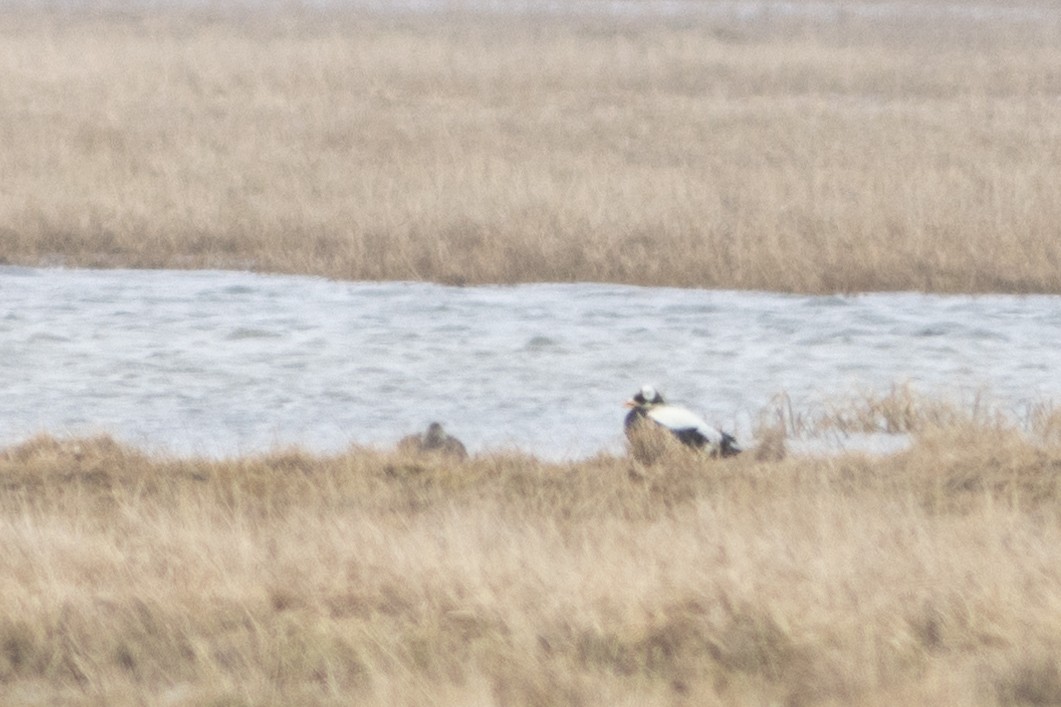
[(645, 397)]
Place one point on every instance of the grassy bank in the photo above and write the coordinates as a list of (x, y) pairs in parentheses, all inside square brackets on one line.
[(925, 577), (782, 155)]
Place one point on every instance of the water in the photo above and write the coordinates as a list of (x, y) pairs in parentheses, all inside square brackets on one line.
[(825, 11), (733, 10), (216, 363)]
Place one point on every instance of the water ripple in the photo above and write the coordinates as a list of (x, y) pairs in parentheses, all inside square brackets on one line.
[(223, 362)]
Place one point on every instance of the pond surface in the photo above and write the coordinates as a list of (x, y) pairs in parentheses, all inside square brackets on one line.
[(835, 11), (218, 363)]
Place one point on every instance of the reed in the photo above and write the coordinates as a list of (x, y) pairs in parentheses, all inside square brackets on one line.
[(783, 154), (924, 577)]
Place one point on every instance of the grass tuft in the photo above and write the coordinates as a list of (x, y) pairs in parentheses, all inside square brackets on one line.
[(386, 577)]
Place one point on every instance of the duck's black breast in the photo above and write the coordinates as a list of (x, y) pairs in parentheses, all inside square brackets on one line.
[(633, 417)]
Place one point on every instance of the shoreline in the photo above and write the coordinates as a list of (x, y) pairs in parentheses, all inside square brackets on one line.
[(923, 576)]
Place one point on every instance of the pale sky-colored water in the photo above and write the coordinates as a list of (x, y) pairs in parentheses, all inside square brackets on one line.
[(219, 362), (986, 11)]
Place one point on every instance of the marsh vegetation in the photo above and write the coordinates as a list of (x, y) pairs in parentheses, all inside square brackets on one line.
[(788, 154), (781, 154), (928, 576)]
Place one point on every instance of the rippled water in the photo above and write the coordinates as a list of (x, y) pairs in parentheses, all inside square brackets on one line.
[(230, 362), (740, 10), (828, 11)]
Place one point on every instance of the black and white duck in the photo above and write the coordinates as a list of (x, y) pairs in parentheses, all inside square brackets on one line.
[(688, 427)]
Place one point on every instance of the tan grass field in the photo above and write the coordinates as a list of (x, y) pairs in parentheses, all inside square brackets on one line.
[(786, 155), (931, 576), (789, 155)]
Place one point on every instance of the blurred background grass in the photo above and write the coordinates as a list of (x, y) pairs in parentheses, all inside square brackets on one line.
[(785, 154)]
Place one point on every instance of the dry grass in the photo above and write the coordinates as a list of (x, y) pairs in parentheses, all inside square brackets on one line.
[(784, 155), (901, 410), (927, 577)]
